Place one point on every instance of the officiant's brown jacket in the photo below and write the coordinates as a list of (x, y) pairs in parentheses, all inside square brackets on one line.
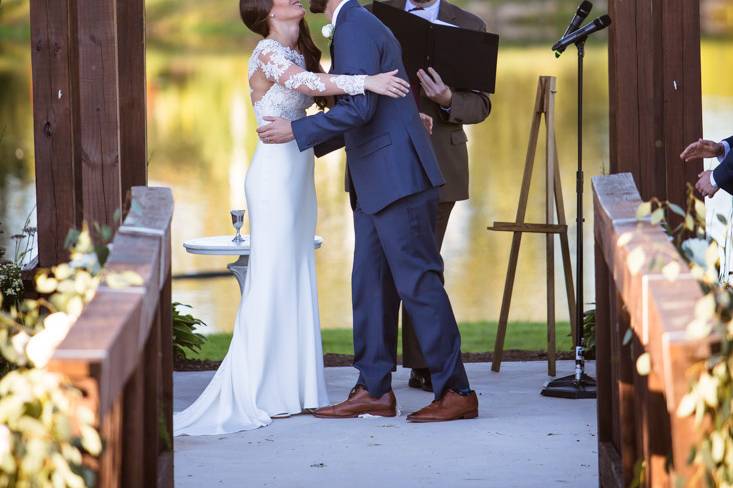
[(468, 107)]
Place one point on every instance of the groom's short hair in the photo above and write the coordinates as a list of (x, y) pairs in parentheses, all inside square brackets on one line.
[(318, 6)]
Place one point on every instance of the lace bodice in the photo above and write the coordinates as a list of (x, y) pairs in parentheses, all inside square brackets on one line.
[(294, 87)]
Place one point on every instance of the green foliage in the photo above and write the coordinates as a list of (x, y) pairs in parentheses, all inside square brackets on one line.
[(11, 280), (44, 431), (185, 337), (589, 333), (711, 392), (45, 428), (476, 337)]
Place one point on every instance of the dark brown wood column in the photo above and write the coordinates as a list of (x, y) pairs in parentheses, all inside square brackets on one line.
[(131, 65), (99, 109), (55, 125), (655, 92)]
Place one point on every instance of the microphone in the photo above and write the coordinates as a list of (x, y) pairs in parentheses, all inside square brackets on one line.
[(580, 15), (581, 34)]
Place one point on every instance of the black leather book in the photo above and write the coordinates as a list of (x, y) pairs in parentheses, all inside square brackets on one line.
[(465, 59)]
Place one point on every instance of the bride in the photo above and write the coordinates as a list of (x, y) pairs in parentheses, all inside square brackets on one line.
[(274, 366)]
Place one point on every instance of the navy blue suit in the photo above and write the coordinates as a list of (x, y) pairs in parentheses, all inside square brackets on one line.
[(723, 174), (393, 178)]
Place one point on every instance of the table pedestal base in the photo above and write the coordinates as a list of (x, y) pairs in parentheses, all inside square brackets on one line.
[(239, 270)]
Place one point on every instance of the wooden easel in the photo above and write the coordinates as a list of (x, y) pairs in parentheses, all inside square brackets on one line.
[(544, 106)]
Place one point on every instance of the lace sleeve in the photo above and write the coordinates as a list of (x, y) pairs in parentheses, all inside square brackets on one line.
[(277, 68)]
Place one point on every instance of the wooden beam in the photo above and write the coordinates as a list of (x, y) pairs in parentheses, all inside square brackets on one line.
[(682, 91), (99, 109), (55, 126), (131, 66), (622, 87), (655, 93)]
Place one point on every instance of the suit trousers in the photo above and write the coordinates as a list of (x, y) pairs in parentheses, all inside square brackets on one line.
[(412, 356), (396, 259)]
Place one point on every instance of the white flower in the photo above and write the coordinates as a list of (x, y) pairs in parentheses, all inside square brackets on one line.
[(40, 348), (19, 341), (696, 249), (327, 31), (57, 325), (42, 345), (5, 440)]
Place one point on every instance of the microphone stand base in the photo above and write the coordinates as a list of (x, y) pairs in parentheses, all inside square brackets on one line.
[(570, 388)]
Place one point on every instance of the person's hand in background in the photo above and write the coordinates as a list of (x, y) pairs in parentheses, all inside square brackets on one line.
[(702, 149), (705, 185)]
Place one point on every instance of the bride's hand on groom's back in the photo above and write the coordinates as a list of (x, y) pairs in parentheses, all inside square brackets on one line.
[(387, 84)]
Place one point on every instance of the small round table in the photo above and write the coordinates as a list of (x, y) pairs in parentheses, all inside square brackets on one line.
[(224, 246)]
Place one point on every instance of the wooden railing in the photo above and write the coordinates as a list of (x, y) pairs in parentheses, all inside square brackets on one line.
[(637, 419), (119, 352)]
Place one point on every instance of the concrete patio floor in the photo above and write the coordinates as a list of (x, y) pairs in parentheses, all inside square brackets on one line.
[(520, 439)]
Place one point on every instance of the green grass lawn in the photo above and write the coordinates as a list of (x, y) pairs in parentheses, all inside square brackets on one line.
[(477, 337)]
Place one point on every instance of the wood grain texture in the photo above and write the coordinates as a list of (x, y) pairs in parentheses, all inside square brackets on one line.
[(132, 94), (120, 348), (99, 114), (637, 414), (655, 93), (55, 125)]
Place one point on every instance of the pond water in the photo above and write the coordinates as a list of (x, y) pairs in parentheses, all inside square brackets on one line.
[(201, 137)]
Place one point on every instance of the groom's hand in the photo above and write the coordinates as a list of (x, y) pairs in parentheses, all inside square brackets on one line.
[(434, 87), (278, 131)]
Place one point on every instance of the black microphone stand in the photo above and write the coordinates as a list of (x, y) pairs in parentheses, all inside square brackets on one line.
[(578, 385)]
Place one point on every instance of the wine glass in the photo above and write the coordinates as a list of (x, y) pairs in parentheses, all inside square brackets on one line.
[(237, 223)]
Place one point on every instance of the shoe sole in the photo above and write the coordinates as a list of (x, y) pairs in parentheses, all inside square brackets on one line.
[(375, 414), (468, 416)]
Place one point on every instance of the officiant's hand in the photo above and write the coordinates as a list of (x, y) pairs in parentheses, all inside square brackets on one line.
[(278, 131), (434, 87)]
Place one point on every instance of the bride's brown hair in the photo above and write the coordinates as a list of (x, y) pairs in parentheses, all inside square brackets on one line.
[(254, 14)]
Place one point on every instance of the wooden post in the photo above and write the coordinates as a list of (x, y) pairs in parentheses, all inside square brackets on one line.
[(131, 65), (655, 93), (99, 109), (165, 471), (55, 125)]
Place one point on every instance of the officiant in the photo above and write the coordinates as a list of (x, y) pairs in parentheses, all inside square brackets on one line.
[(450, 110)]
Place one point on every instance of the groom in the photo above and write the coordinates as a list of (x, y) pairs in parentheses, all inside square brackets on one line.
[(393, 184)]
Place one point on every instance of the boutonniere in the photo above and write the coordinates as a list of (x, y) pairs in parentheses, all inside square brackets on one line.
[(327, 31)]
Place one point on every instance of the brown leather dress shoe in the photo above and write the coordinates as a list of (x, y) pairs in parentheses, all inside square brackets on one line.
[(360, 403), (452, 406)]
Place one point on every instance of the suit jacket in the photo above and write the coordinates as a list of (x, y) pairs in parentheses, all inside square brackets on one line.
[(723, 174), (468, 107), (389, 154)]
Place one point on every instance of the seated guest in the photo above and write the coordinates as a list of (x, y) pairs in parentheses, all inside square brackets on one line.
[(710, 181)]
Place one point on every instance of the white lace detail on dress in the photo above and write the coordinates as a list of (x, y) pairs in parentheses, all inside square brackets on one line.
[(353, 85), (278, 101), (305, 78)]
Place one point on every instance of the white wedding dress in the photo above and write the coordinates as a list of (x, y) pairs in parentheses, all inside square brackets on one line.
[(274, 366)]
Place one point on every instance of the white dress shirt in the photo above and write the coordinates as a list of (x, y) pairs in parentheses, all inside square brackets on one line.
[(336, 12), (428, 13), (726, 150)]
